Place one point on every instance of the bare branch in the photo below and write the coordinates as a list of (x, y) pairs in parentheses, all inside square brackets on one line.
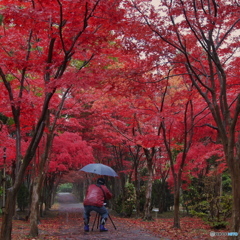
[(85, 63)]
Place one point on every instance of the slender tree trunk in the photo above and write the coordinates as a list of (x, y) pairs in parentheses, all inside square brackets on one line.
[(35, 206), (41, 212), (34, 209), (137, 187), (50, 188), (37, 186), (162, 202), (148, 200), (136, 156), (176, 223)]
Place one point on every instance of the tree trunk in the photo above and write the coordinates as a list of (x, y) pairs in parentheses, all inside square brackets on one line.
[(37, 186), (176, 223), (236, 208), (148, 200), (50, 190), (34, 209), (162, 202), (137, 188), (6, 229), (138, 196), (235, 226), (232, 153), (38, 181)]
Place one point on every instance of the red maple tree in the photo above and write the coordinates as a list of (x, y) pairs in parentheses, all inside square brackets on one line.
[(46, 46), (199, 39)]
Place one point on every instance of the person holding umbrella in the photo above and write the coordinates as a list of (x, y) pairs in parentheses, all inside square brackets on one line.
[(95, 200)]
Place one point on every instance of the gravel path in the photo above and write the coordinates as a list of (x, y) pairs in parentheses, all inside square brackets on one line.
[(71, 214)]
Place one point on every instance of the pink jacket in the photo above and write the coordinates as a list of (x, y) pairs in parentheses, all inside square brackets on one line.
[(95, 195)]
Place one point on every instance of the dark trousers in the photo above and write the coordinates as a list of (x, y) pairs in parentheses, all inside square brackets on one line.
[(103, 212)]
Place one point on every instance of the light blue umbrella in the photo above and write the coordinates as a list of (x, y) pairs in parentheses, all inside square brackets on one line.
[(100, 169)]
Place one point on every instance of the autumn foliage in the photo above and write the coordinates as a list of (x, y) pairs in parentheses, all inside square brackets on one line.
[(148, 89)]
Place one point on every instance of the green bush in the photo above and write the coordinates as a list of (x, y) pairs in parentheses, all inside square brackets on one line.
[(214, 211), (218, 225), (66, 187), (125, 203)]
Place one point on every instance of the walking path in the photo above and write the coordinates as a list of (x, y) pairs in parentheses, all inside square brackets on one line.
[(71, 214)]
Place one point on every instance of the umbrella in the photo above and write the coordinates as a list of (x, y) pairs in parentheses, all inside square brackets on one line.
[(100, 169)]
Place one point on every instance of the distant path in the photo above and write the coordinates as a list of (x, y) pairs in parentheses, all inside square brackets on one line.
[(68, 203), (71, 214)]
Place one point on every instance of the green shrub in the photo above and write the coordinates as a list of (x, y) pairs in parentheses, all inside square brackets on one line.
[(215, 211), (66, 187), (218, 225), (125, 203)]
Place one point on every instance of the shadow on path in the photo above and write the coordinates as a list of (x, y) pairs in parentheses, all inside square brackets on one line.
[(70, 213)]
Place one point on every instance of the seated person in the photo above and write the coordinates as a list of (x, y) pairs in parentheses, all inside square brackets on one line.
[(96, 196)]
